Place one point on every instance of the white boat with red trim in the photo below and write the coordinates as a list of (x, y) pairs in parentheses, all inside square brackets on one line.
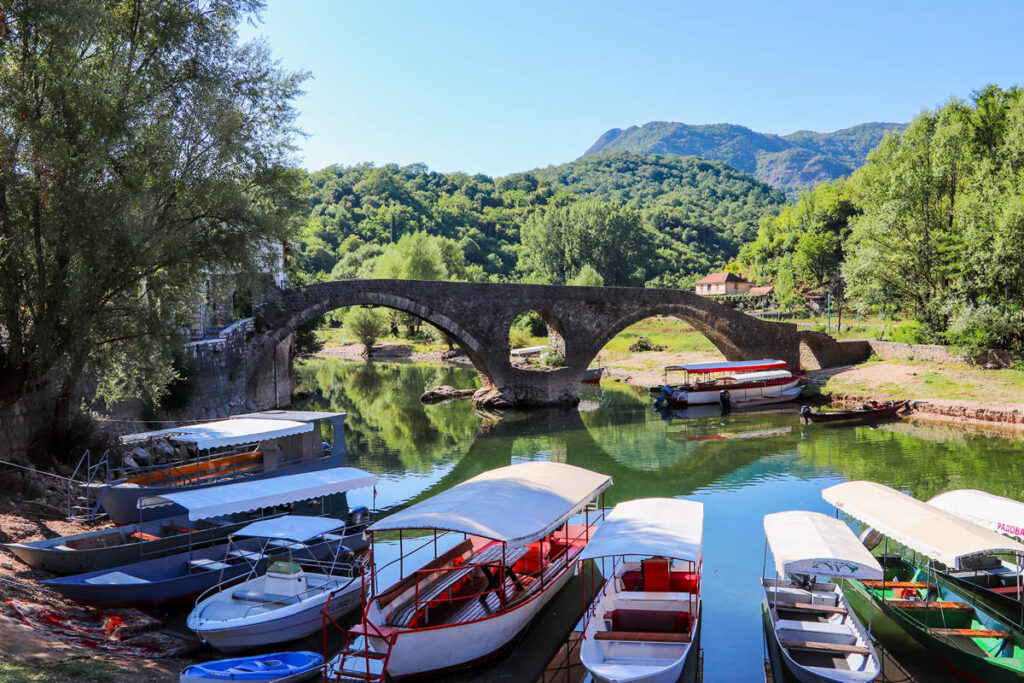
[(731, 383), (502, 544), (644, 624)]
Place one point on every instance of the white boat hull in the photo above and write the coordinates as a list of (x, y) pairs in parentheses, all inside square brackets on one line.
[(638, 661), (780, 392), (285, 623), (431, 650), (861, 668)]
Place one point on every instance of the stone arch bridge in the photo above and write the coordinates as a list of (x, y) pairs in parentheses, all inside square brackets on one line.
[(580, 321)]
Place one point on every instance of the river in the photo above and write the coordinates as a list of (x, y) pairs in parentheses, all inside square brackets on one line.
[(741, 466)]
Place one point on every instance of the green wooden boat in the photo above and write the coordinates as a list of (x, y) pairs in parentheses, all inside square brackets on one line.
[(968, 638)]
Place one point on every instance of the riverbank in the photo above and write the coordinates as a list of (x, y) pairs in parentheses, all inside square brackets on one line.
[(941, 392)]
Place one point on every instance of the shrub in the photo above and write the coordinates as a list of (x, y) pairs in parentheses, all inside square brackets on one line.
[(367, 325), (519, 338)]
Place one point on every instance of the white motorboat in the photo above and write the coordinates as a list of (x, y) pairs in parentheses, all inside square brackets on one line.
[(644, 624), (502, 545), (812, 628), (288, 600)]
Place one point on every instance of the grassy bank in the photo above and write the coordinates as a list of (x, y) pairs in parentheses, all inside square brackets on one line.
[(926, 380)]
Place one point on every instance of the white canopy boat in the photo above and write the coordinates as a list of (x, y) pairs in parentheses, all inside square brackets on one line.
[(288, 600), (812, 626), (256, 446), (644, 624), (997, 581), (731, 383), (512, 535), (942, 616)]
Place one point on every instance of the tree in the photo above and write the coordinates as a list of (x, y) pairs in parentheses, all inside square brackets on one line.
[(140, 145), (367, 325), (557, 243), (587, 277)]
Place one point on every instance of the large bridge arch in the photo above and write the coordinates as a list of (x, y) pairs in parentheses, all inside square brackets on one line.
[(477, 315)]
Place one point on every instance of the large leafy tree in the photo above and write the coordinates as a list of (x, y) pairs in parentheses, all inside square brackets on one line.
[(558, 243), (141, 145)]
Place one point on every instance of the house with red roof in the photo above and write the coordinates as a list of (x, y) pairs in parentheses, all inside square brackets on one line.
[(721, 284)]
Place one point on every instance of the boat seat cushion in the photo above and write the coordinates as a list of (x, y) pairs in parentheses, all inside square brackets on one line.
[(656, 573), (654, 621), (679, 582), (641, 636)]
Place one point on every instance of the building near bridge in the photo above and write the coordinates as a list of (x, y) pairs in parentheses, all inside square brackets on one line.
[(721, 284)]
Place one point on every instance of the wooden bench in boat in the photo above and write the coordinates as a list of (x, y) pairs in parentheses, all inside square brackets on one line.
[(807, 607), (934, 604), (463, 550), (209, 565), (970, 632), (643, 636), (1005, 590), (816, 646), (869, 583)]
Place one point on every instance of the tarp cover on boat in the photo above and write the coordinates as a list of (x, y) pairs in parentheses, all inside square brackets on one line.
[(652, 527), (254, 495), (518, 503), (1002, 515), (922, 527), (298, 528), (731, 366), (223, 433), (817, 545)]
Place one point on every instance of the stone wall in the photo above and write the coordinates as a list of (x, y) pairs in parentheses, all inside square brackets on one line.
[(935, 352), (22, 423), (818, 350)]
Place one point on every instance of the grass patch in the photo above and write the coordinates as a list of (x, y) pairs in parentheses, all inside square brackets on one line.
[(79, 670), (675, 335)]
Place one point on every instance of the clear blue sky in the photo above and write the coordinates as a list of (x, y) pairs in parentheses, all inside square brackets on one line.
[(499, 87)]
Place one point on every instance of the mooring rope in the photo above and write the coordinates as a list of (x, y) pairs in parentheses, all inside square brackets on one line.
[(32, 469)]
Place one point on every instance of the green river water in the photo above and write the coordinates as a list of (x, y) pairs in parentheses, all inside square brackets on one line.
[(741, 466)]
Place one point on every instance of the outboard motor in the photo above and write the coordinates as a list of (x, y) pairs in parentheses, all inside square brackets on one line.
[(724, 401), (805, 413), (357, 516), (666, 393)]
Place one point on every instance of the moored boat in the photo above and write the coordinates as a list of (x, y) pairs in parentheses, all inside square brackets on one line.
[(502, 544), (592, 375), (258, 446), (644, 624), (991, 578), (814, 633), (288, 600), (872, 410), (731, 383), (280, 667), (179, 576), (965, 636)]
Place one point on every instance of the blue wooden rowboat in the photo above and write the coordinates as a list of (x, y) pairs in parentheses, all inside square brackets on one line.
[(280, 667)]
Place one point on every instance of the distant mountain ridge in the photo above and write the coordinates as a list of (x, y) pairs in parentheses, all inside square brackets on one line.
[(790, 163)]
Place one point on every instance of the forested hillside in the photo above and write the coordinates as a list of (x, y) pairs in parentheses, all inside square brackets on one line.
[(689, 215), (932, 225), (788, 162)]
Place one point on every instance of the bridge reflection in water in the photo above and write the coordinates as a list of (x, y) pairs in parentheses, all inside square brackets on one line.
[(740, 466)]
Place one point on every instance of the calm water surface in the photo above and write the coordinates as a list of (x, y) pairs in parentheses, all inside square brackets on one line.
[(740, 466)]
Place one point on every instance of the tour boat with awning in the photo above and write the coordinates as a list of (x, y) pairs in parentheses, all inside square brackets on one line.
[(173, 578), (731, 384), (942, 617), (501, 545), (644, 624), (257, 446), (995, 580), (813, 630)]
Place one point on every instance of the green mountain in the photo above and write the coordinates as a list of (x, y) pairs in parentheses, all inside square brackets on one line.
[(700, 211), (788, 162)]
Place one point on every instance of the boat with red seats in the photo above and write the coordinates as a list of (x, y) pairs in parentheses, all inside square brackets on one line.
[(490, 553)]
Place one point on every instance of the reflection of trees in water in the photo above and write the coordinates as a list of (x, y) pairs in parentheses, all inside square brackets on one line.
[(897, 456), (388, 428)]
